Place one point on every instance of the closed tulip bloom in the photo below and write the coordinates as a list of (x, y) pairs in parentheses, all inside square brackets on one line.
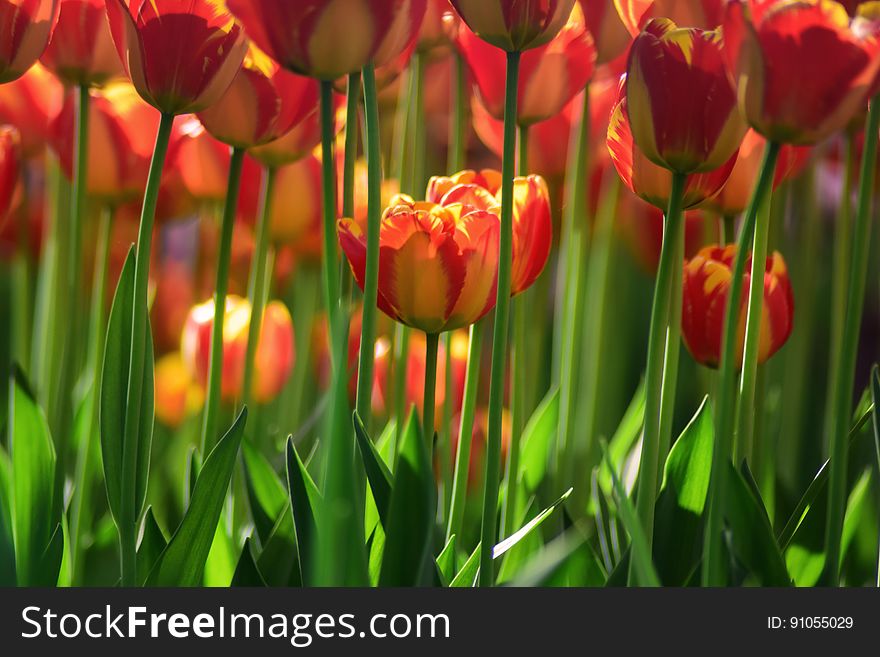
[(550, 75), (327, 39), (438, 265), (81, 51), (704, 14), (275, 349), (26, 26), (609, 33), (802, 69), (29, 104), (680, 102), (10, 167), (178, 395), (434, 32), (181, 55), (649, 181), (707, 279), (513, 25), (264, 102)]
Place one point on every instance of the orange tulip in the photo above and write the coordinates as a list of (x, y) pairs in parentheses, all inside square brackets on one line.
[(550, 75), (706, 285), (703, 14), (178, 396), (10, 166), (803, 69), (296, 206), (273, 361), (513, 25), (264, 102), (26, 26), (81, 51), (29, 104), (306, 36), (680, 102), (609, 33), (437, 264), (174, 295), (649, 181), (117, 168), (181, 57)]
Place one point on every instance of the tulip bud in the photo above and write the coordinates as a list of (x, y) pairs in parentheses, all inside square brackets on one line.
[(29, 104), (181, 57), (274, 357), (178, 396), (703, 14), (81, 50), (706, 282), (26, 26), (513, 25)]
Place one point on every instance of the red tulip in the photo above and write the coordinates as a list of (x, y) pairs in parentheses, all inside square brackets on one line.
[(803, 69), (178, 395), (437, 264), (26, 26), (550, 75), (434, 33), (641, 225), (609, 33), (649, 181), (514, 25), (307, 37), (180, 56), (81, 51), (10, 166), (703, 14), (707, 279), (29, 104)]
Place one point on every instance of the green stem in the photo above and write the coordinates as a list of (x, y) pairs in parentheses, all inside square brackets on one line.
[(850, 346), (401, 362), (80, 184), (371, 276), (488, 532), (402, 130), (257, 284), (728, 221), (221, 286), (457, 128), (432, 342), (713, 563), (128, 521), (466, 431), (351, 140), (330, 260), (444, 441), (419, 128)]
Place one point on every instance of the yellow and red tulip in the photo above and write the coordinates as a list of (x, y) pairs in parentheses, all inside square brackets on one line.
[(438, 265), (550, 75), (609, 33), (10, 168), (680, 101), (178, 395), (181, 57), (704, 14), (29, 104), (707, 278), (26, 26), (802, 69), (81, 50), (513, 25)]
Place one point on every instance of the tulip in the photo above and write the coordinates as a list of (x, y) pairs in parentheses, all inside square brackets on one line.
[(26, 26), (178, 396), (174, 295), (29, 104), (703, 14), (609, 33), (264, 102), (649, 181), (641, 225), (823, 66), (550, 75), (437, 268), (81, 50), (680, 102), (512, 25), (295, 217), (10, 166), (275, 349), (181, 57), (706, 285), (435, 30)]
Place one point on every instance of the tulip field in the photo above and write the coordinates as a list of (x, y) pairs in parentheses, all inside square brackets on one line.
[(439, 293)]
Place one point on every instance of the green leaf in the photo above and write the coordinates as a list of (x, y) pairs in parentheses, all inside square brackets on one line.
[(537, 439), (183, 560), (467, 576), (857, 505), (278, 562), (528, 528), (222, 557), (568, 560), (152, 544), (446, 562), (114, 406), (378, 474), (246, 572), (305, 500), (411, 514), (625, 436), (875, 415), (49, 564), (266, 493), (34, 502), (7, 544)]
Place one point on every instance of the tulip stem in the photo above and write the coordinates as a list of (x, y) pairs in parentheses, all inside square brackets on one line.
[(257, 283), (457, 128), (127, 523), (401, 362), (221, 287), (713, 561), (488, 532), (846, 371), (432, 343), (466, 430), (328, 179), (728, 224), (656, 373), (371, 276), (351, 140)]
